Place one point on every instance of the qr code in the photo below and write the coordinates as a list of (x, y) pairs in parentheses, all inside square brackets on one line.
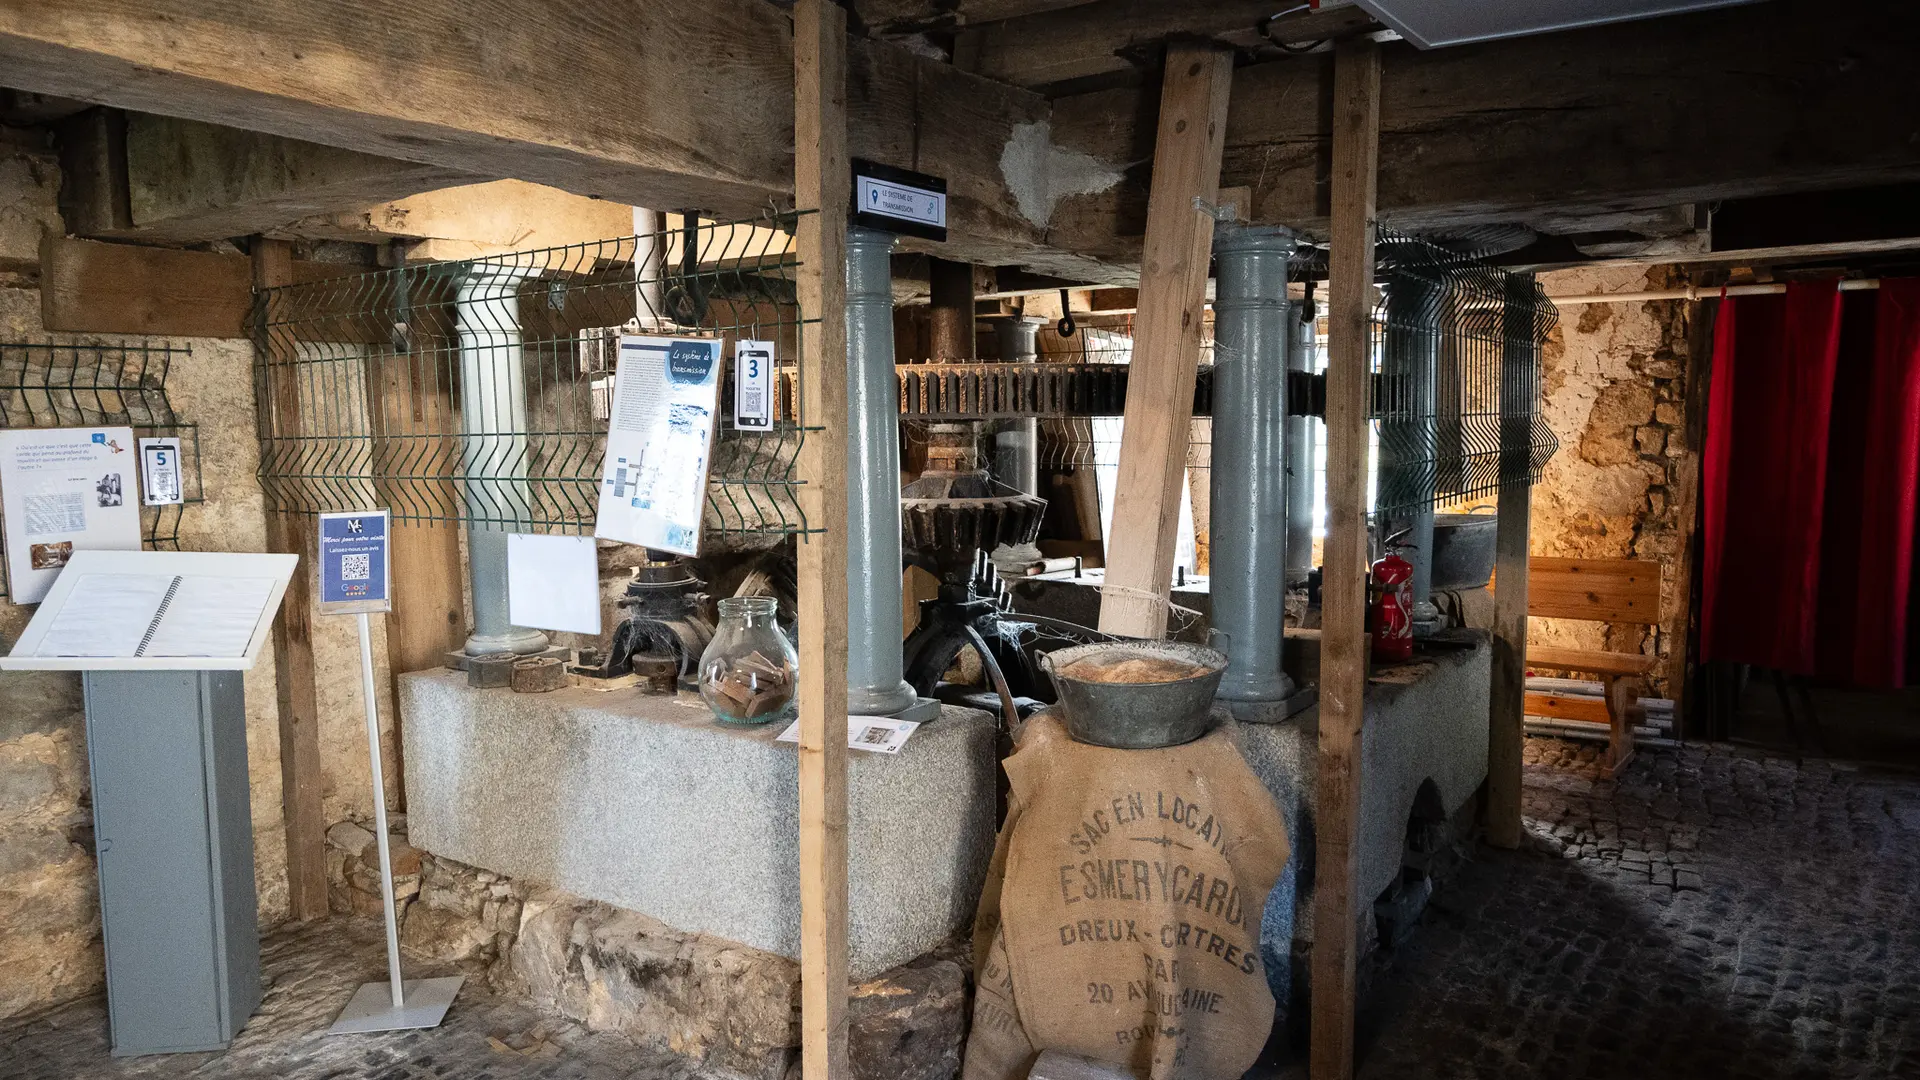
[(875, 736), (356, 567)]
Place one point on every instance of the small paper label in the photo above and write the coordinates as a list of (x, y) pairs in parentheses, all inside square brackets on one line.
[(874, 734), (753, 385), (160, 472)]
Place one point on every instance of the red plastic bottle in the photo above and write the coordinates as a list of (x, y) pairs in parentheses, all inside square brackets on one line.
[(1392, 613)]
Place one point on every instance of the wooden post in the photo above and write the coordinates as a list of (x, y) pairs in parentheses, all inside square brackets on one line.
[(1166, 354), (822, 182), (414, 430), (1506, 698), (1343, 641), (279, 394)]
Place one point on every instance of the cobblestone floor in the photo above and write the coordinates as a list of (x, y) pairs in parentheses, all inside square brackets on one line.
[(1715, 913), (312, 971)]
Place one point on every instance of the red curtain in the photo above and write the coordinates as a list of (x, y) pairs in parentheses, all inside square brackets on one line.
[(1873, 483), (1811, 479), (1765, 473)]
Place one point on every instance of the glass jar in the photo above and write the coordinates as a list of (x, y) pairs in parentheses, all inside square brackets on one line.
[(749, 673)]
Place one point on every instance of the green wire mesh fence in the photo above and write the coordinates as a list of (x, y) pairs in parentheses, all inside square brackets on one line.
[(56, 384), (478, 391), (1457, 356)]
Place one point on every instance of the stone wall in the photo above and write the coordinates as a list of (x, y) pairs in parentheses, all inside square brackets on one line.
[(49, 909), (1622, 483), (732, 1010)]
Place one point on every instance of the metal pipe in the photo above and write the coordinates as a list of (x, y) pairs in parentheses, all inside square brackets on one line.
[(1300, 454), (874, 661), (1252, 332), (649, 257), (493, 454), (1016, 446), (1409, 442), (1694, 292)]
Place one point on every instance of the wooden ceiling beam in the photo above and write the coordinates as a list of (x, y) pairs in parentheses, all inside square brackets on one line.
[(669, 104), (685, 103), (1059, 47), (1793, 95), (136, 176)]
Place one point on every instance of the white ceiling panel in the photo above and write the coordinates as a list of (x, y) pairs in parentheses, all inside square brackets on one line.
[(1433, 23)]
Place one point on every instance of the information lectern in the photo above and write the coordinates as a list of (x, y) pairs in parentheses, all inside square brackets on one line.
[(162, 639)]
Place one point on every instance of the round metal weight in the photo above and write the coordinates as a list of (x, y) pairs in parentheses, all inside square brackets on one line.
[(539, 675), (491, 670)]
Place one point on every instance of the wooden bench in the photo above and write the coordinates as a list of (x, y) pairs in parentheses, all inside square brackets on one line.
[(1594, 590)]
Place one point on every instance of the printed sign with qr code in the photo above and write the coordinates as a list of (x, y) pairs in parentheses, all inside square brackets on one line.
[(353, 562), (876, 736), (753, 385)]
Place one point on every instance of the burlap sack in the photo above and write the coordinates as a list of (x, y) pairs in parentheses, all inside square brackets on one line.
[(1121, 918)]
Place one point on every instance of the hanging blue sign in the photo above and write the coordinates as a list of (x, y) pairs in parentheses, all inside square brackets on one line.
[(353, 562)]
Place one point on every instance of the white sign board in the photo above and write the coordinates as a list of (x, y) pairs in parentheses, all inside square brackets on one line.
[(553, 582), (64, 490), (653, 487), (160, 472)]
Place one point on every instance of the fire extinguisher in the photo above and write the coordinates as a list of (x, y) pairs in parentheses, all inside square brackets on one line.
[(1391, 612)]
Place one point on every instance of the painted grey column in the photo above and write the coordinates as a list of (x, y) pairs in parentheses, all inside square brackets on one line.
[(1016, 446), (874, 662), (1300, 456), (1252, 332), (1411, 364), (493, 454)]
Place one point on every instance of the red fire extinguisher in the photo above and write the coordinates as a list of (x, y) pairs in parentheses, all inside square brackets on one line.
[(1391, 614)]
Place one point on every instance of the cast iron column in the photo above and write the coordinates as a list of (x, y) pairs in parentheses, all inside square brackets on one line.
[(1300, 456), (1252, 331), (874, 662), (1016, 454), (493, 454)]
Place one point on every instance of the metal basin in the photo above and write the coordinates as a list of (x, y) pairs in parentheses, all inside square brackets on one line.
[(1136, 716), (1463, 550)]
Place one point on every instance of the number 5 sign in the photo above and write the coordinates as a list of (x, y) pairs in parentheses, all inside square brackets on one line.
[(753, 385)]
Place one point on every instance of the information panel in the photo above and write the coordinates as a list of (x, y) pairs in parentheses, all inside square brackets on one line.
[(65, 490), (653, 490)]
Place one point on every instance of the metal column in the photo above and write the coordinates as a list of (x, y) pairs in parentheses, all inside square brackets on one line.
[(1252, 331), (874, 662), (1409, 443), (1016, 446), (1300, 453), (493, 455)]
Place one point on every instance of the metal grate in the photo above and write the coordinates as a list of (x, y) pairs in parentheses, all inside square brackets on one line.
[(477, 391), (1457, 355), (51, 384)]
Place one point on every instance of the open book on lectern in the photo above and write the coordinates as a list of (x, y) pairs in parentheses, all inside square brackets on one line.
[(132, 610)]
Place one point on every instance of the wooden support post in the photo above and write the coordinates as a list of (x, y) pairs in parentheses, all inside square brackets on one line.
[(1166, 354), (1343, 640), (823, 183), (279, 394), (1506, 734), (414, 429)]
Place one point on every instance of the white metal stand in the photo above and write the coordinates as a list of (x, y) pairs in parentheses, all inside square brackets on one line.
[(396, 1005)]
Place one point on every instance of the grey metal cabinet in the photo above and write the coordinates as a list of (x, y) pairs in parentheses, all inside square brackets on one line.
[(174, 833)]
